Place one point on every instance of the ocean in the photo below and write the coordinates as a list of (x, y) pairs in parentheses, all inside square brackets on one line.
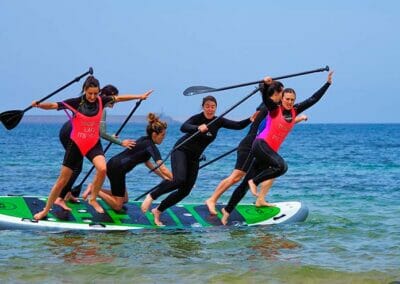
[(347, 175)]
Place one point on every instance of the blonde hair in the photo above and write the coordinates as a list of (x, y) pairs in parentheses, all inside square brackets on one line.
[(155, 124)]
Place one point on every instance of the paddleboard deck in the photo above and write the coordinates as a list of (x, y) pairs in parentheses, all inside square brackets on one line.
[(16, 212)]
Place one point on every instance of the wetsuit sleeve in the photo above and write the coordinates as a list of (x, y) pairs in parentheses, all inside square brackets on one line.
[(103, 131), (74, 102), (312, 100), (191, 125), (154, 152), (231, 124)]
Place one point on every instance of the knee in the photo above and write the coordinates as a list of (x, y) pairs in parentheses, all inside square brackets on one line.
[(102, 170), (235, 179), (283, 167)]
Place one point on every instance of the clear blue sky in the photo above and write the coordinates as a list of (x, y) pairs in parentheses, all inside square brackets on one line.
[(170, 45)]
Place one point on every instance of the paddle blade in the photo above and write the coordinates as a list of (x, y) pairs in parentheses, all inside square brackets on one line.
[(194, 90), (11, 118)]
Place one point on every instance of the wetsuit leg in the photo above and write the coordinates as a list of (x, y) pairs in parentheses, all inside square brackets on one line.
[(272, 163), (179, 167), (184, 189)]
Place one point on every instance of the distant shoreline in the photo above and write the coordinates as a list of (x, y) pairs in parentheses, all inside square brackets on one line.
[(140, 119), (110, 118)]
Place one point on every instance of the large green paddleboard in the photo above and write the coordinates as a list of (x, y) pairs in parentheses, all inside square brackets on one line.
[(16, 212)]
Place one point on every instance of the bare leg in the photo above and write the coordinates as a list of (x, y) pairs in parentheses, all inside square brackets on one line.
[(265, 187), (146, 203), (225, 216), (223, 186), (100, 163), (115, 202), (157, 215), (253, 187), (62, 180)]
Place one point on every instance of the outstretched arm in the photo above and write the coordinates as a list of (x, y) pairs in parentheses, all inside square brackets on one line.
[(124, 98), (45, 105), (315, 97)]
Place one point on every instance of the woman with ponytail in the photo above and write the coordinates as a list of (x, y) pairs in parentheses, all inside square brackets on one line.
[(121, 164)]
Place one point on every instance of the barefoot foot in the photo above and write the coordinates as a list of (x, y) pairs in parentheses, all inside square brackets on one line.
[(225, 216), (253, 187), (42, 214), (61, 202), (211, 206), (157, 215), (146, 203), (96, 206), (87, 191), (263, 203)]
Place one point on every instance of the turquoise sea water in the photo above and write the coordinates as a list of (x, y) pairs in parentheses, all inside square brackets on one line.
[(347, 175)]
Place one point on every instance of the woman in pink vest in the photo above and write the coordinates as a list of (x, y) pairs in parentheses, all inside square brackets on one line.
[(85, 138), (280, 120)]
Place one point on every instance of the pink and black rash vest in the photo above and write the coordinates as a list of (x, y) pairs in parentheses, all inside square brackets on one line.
[(276, 128), (279, 122), (85, 129)]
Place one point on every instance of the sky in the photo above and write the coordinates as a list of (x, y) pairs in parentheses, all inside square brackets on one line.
[(171, 45)]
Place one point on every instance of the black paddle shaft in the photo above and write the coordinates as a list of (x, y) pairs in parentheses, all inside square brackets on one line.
[(11, 118), (195, 90), (77, 79)]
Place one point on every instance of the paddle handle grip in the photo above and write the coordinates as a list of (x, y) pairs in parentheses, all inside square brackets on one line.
[(77, 79)]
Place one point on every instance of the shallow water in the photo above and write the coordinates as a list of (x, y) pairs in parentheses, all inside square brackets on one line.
[(347, 175)]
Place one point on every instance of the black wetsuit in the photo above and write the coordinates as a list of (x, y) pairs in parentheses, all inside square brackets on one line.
[(243, 153), (268, 164), (185, 160), (122, 163)]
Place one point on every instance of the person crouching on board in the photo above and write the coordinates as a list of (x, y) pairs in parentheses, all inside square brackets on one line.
[(121, 164)]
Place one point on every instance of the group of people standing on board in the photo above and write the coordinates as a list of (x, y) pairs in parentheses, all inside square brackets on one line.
[(258, 161)]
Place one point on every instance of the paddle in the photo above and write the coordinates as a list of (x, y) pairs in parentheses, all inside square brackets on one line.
[(11, 118), (195, 90), (218, 158), (77, 189), (208, 125)]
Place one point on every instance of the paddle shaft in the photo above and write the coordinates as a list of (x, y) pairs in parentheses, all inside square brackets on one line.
[(209, 90), (77, 79), (218, 158), (110, 143)]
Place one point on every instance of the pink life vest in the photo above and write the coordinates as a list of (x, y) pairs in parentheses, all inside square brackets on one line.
[(277, 128), (85, 129)]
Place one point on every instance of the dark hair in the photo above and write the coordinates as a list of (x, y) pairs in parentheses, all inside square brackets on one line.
[(109, 90), (155, 124), (289, 90), (275, 86), (209, 98), (90, 81)]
